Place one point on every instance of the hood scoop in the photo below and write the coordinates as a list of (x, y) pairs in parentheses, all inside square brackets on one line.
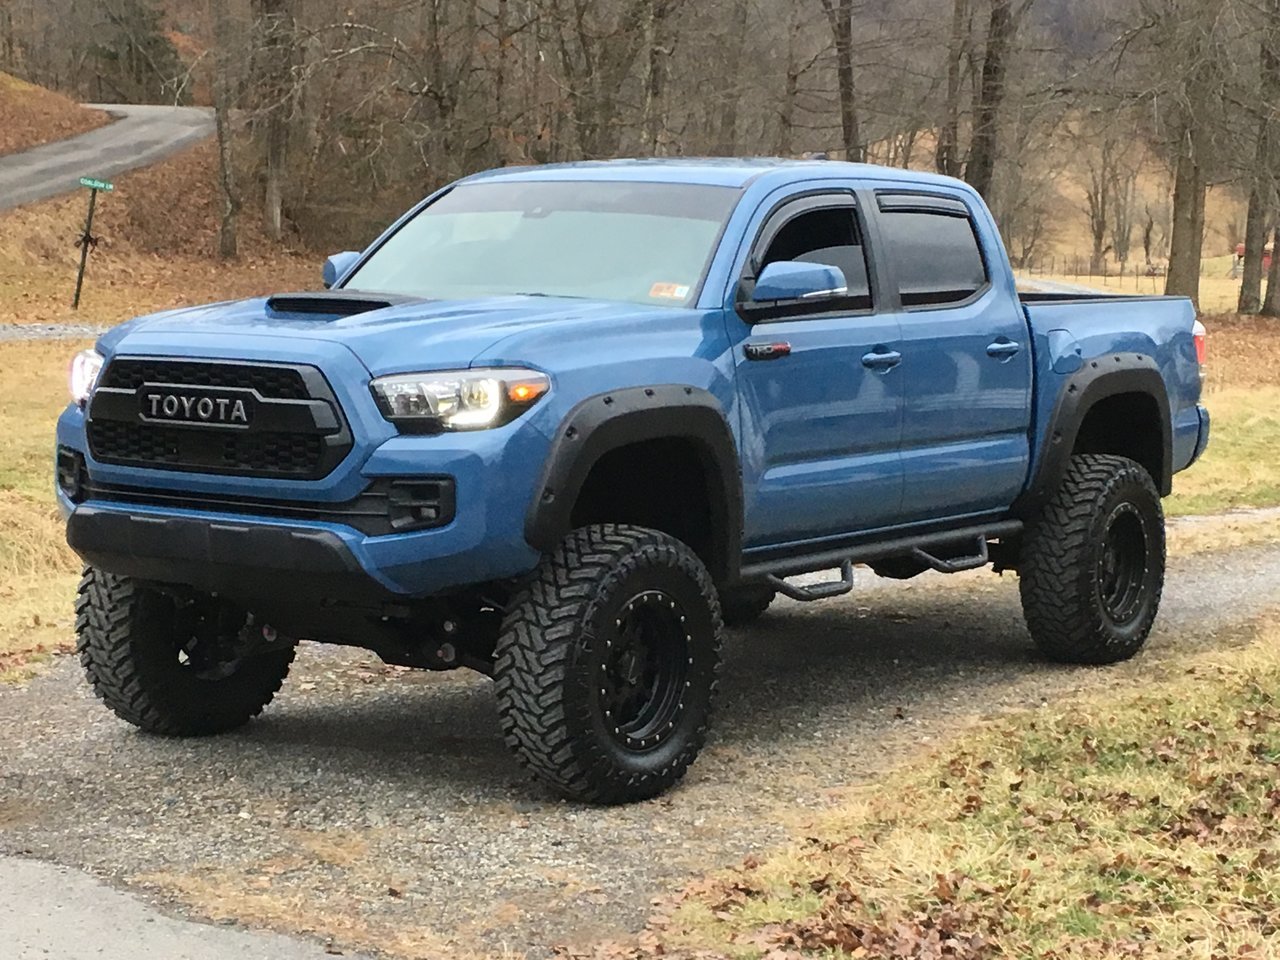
[(333, 303)]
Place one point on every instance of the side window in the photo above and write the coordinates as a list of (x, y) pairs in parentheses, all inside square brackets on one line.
[(935, 256), (828, 236)]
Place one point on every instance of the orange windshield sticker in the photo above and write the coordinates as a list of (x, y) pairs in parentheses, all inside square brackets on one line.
[(669, 291)]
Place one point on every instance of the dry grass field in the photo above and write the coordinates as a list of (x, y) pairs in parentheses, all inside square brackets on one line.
[(1218, 292)]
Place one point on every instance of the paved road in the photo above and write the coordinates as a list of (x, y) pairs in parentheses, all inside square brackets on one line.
[(87, 919), (141, 135), (381, 807)]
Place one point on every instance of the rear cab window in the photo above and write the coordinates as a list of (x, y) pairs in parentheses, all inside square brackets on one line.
[(933, 246)]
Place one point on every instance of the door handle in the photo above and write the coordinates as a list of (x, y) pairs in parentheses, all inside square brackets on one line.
[(883, 360), (1003, 349)]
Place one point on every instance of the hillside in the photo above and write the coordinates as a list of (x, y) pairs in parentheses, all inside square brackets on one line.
[(157, 248), (31, 116)]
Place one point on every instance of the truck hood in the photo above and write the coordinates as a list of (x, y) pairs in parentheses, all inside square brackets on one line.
[(397, 336)]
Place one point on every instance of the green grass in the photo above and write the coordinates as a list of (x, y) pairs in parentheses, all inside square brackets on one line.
[(1241, 468)]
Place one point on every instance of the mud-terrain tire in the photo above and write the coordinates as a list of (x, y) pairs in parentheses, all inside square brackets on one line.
[(743, 605), (131, 643), (608, 663), (1092, 564)]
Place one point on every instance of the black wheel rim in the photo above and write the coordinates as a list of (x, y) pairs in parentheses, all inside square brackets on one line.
[(202, 642), (644, 671), (1123, 563)]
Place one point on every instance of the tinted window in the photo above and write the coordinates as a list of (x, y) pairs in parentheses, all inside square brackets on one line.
[(935, 256), (828, 237), (609, 240)]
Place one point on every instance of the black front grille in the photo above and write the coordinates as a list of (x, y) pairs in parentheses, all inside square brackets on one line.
[(277, 382), (297, 430)]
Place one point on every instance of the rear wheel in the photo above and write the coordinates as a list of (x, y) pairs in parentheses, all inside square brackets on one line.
[(607, 664), (169, 666), (1092, 565), (743, 605)]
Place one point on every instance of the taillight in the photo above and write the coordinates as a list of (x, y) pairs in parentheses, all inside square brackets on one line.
[(1202, 350)]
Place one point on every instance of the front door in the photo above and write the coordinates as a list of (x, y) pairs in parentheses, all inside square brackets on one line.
[(820, 386)]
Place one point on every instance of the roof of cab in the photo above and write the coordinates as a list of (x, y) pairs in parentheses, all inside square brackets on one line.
[(713, 171)]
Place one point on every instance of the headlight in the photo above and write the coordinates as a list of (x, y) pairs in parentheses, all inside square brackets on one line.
[(85, 367), (459, 400)]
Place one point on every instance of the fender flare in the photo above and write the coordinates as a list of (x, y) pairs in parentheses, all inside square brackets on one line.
[(619, 418), (1099, 379)]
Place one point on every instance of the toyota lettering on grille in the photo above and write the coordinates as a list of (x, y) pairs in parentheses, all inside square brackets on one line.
[(208, 409)]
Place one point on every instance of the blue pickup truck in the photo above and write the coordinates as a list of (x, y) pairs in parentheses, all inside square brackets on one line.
[(561, 424)]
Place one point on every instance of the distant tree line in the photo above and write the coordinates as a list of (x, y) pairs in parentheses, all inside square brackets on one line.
[(332, 116)]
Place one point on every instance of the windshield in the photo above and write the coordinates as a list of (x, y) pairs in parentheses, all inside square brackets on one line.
[(637, 242)]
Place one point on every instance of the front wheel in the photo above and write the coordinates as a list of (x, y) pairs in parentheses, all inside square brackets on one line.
[(607, 664), (1092, 565), (171, 666)]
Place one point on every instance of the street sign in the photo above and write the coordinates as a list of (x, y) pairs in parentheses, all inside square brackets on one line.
[(87, 240)]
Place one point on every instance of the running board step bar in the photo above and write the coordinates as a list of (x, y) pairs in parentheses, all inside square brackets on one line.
[(774, 564), (955, 564), (817, 591)]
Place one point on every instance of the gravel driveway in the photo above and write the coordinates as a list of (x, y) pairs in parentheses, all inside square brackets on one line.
[(381, 808)]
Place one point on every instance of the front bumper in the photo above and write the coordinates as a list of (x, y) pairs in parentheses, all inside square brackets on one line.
[(218, 556), (275, 554)]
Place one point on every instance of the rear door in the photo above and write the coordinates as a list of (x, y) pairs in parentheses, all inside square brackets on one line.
[(818, 381), (967, 363)]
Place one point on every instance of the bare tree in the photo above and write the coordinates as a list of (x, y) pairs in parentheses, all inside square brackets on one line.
[(1002, 28), (1266, 168), (225, 42), (1271, 305), (276, 43), (840, 17)]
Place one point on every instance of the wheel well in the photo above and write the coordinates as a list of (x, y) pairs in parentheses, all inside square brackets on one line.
[(1127, 425), (667, 484)]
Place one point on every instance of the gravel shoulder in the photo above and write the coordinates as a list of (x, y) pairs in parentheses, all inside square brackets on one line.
[(380, 808)]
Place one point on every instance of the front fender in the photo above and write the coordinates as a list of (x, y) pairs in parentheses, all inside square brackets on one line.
[(608, 421)]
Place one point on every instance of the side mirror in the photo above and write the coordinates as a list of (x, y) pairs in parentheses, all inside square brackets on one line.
[(337, 265), (792, 280)]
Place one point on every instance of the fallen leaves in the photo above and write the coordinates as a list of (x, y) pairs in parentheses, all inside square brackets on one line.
[(1133, 828)]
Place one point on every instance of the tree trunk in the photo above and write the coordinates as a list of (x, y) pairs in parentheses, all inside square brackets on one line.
[(1255, 238), (726, 144), (1187, 243), (228, 243), (947, 159), (652, 124), (1265, 167), (840, 17), (982, 154), (791, 92), (275, 27), (1271, 305)]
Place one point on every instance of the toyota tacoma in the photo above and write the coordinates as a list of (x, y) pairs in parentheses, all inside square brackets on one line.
[(561, 424)]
